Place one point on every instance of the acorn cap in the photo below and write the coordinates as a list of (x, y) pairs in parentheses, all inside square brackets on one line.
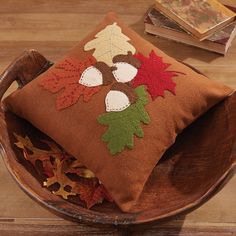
[(126, 89), (128, 58), (106, 72)]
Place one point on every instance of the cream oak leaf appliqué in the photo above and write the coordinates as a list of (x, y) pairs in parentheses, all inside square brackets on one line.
[(108, 43)]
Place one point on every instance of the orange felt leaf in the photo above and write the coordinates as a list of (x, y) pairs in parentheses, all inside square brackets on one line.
[(64, 77), (72, 93), (64, 73)]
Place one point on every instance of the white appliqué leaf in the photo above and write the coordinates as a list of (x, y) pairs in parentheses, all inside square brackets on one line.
[(109, 42)]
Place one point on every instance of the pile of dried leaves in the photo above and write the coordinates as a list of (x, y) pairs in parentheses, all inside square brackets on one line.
[(63, 173)]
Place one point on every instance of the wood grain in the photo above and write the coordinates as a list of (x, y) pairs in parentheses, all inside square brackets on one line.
[(52, 27)]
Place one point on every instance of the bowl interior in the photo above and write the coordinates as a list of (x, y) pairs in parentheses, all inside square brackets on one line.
[(188, 173)]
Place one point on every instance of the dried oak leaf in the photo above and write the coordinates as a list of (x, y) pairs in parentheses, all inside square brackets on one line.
[(64, 77), (60, 178), (32, 153), (154, 74), (92, 192), (87, 186), (89, 190)]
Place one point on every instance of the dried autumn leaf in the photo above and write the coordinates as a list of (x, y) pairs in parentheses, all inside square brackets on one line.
[(154, 74), (92, 193), (23, 143), (60, 178), (38, 154), (87, 186), (102, 191)]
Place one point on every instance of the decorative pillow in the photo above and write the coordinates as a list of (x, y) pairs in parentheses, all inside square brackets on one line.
[(116, 103)]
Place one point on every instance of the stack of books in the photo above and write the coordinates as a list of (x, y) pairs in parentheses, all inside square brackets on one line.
[(205, 24)]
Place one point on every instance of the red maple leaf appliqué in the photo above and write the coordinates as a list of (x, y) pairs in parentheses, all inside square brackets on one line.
[(154, 74), (65, 76)]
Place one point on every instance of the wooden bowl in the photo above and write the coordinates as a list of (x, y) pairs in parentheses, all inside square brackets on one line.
[(190, 172)]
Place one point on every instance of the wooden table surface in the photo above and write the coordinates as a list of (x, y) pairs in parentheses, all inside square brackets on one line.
[(52, 27)]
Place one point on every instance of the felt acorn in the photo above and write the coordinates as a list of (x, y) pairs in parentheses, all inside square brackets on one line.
[(119, 97), (125, 67), (98, 74)]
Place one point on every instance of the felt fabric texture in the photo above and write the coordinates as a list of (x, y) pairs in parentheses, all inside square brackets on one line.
[(65, 76), (125, 124), (116, 101), (124, 72), (81, 127), (155, 75), (108, 43)]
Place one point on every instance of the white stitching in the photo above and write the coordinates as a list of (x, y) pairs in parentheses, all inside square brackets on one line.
[(120, 109)]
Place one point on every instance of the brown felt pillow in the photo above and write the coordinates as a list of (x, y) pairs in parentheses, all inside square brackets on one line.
[(116, 103)]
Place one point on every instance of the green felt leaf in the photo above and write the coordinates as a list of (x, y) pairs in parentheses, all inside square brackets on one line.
[(125, 124)]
